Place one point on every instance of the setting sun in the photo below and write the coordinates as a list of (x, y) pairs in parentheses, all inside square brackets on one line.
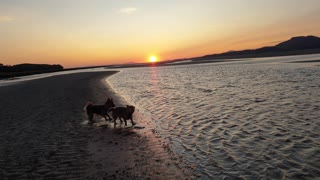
[(153, 59)]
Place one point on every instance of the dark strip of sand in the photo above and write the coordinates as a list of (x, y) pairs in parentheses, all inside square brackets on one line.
[(309, 61), (42, 135)]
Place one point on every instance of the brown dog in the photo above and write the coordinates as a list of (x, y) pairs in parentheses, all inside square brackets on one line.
[(101, 110), (124, 113)]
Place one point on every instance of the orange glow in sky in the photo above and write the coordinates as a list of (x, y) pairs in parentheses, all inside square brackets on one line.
[(78, 33)]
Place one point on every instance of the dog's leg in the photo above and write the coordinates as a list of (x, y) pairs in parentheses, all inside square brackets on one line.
[(90, 117), (120, 120), (125, 121), (114, 122), (109, 117), (105, 117), (132, 121)]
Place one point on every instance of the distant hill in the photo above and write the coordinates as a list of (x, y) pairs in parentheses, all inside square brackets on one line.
[(294, 46), (299, 43), (7, 71)]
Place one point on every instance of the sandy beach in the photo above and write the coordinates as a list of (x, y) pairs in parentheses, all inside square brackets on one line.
[(44, 135)]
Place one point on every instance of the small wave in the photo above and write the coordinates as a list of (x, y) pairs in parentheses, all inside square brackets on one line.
[(249, 121)]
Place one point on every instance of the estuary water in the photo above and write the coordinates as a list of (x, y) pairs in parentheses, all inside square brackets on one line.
[(250, 119)]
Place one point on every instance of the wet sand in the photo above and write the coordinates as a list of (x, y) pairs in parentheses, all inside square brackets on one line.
[(44, 135)]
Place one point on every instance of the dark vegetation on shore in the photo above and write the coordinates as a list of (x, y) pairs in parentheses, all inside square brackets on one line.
[(7, 71)]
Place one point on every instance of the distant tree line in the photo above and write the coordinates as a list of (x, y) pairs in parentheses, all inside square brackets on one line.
[(7, 71)]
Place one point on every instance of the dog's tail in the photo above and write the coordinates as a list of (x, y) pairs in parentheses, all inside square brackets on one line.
[(88, 105)]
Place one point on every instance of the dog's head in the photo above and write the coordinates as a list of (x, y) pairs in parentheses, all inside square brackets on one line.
[(109, 103), (130, 109)]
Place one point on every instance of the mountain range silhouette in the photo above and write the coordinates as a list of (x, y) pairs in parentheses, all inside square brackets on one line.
[(294, 46)]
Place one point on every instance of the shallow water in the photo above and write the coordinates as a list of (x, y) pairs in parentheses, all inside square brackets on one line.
[(248, 119)]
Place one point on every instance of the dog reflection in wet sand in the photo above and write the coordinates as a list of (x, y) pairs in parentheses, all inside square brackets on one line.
[(123, 113), (99, 109)]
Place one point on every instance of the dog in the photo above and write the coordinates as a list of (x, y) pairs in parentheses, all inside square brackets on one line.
[(124, 113), (101, 110)]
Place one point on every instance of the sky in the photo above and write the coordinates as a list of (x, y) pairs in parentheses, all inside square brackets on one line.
[(76, 33)]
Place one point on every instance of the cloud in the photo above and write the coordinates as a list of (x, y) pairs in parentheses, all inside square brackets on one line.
[(6, 18), (128, 10)]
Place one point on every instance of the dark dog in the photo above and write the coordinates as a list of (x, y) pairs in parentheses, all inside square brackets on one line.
[(124, 113), (101, 110)]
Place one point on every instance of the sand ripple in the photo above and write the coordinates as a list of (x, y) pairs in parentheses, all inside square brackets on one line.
[(244, 121)]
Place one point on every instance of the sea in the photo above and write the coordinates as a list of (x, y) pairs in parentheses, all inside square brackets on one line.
[(243, 119)]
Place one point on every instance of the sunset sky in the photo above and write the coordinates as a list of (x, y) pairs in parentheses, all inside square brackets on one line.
[(77, 33)]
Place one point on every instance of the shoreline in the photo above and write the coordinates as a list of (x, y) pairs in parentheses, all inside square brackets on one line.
[(141, 153), (43, 134)]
